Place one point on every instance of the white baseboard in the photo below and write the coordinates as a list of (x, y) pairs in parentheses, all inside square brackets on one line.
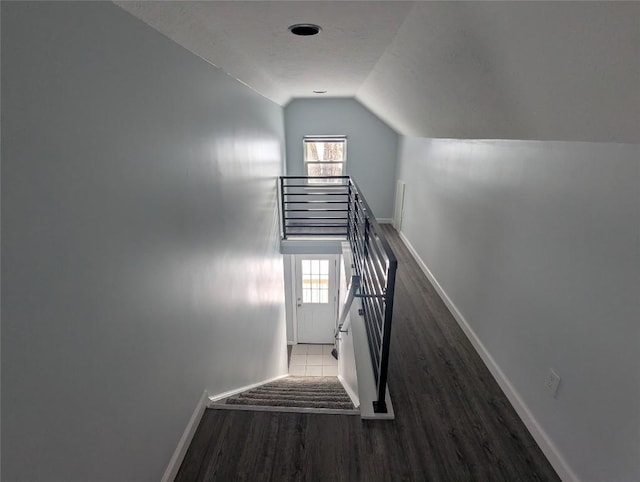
[(564, 470), (181, 450), (230, 393), (384, 220)]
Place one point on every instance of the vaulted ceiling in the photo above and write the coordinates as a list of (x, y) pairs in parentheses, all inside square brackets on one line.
[(498, 70)]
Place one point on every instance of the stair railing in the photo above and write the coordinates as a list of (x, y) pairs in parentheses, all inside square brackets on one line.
[(335, 206), (375, 263)]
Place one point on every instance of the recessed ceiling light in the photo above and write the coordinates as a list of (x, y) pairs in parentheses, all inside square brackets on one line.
[(319, 91), (304, 29)]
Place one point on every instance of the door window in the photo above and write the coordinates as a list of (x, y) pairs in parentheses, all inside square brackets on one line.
[(315, 280)]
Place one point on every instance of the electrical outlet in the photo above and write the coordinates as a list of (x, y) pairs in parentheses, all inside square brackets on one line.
[(552, 382)]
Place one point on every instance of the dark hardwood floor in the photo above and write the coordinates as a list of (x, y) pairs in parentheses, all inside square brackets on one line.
[(452, 421)]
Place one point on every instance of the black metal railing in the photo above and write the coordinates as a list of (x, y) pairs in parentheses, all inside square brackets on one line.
[(314, 206), (376, 264), (335, 206)]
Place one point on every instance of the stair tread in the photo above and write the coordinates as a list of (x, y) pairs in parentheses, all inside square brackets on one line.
[(290, 403), (305, 385), (314, 380), (306, 389), (299, 389), (295, 397)]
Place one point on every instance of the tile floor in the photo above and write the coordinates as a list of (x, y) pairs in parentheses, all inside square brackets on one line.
[(312, 361)]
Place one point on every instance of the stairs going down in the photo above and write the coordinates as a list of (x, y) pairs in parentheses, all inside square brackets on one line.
[(299, 394)]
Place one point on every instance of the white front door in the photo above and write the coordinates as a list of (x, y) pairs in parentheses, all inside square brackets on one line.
[(316, 291)]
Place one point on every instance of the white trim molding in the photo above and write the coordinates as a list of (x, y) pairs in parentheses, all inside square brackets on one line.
[(384, 220), (294, 297), (267, 408), (184, 442), (564, 470), (230, 393)]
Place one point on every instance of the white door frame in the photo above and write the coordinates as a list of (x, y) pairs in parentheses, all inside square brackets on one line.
[(294, 298)]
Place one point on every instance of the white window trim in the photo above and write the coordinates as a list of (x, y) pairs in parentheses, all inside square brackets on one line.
[(324, 138)]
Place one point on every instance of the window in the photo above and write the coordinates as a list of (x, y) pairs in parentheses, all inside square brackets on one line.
[(315, 281), (325, 155)]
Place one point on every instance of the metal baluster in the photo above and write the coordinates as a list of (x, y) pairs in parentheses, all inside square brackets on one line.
[(282, 209)]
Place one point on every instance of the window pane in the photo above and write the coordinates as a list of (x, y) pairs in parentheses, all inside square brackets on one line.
[(324, 169), (311, 152), (333, 151), (318, 151), (324, 296)]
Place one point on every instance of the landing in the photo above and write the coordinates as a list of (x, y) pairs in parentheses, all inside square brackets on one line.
[(312, 361)]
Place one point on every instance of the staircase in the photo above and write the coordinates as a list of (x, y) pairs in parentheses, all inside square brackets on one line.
[(333, 206), (294, 394)]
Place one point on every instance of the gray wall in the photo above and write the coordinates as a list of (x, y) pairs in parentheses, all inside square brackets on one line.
[(139, 249), (512, 70), (372, 146), (536, 243)]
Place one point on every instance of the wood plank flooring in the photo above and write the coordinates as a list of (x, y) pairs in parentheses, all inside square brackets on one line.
[(452, 421)]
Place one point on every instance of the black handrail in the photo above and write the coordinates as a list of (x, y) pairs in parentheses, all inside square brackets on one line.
[(373, 259)]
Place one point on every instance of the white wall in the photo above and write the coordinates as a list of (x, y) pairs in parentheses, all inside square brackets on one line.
[(289, 295), (372, 146), (140, 259), (537, 245)]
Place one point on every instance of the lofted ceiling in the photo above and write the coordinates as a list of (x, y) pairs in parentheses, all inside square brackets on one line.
[(490, 70)]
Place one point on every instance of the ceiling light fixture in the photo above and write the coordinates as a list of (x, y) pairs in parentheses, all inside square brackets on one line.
[(319, 91), (305, 29)]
